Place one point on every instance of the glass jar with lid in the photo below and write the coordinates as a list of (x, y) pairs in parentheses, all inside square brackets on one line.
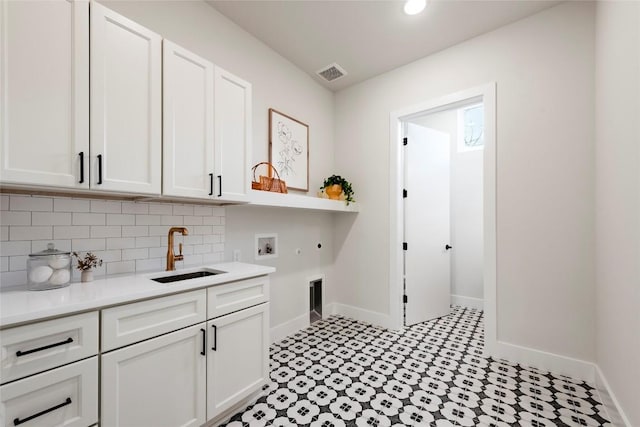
[(48, 269)]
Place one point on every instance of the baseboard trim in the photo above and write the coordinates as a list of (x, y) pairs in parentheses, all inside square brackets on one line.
[(289, 327), (372, 317), (609, 401), (546, 361), (469, 302)]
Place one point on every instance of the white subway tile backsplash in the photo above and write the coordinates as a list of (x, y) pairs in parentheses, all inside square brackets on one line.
[(135, 208), (71, 232), (148, 242), (147, 220), (17, 263), (91, 245), (160, 209), (15, 218), (119, 267), (51, 218), (171, 220), (41, 245), (182, 210), (103, 231), (121, 219), (88, 219), (19, 232), (140, 253), (135, 230), (121, 243), (192, 220), (106, 206), (28, 203), (127, 236), (151, 264), (71, 205)]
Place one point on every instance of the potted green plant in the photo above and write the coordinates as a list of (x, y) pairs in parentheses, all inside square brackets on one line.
[(336, 185), (86, 265)]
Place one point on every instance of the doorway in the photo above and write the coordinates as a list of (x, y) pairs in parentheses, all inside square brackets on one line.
[(486, 95), (442, 192)]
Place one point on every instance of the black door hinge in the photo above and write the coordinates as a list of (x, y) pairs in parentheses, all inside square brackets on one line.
[(405, 245), (404, 299), (405, 140), (404, 194)]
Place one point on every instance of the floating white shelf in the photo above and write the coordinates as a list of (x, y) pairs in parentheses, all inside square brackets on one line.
[(266, 198)]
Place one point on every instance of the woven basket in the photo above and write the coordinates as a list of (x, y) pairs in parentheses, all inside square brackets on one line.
[(268, 183)]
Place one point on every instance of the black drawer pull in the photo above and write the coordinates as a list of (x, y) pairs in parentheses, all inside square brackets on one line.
[(204, 342), (220, 186), (211, 184), (81, 154), (215, 338), (24, 353), (18, 421)]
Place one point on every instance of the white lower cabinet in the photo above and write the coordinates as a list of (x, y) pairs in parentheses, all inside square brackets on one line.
[(65, 396), (157, 383), (238, 359)]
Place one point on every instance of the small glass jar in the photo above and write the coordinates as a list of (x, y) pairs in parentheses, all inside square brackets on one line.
[(48, 269)]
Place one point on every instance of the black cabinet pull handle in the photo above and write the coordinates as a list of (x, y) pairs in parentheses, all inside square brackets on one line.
[(219, 185), (447, 247), (18, 421), (204, 342), (99, 169), (215, 338), (24, 353), (81, 167), (211, 184)]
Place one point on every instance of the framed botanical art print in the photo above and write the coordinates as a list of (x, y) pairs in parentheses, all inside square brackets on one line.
[(289, 149)]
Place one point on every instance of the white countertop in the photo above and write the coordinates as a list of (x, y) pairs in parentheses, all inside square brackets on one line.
[(21, 306)]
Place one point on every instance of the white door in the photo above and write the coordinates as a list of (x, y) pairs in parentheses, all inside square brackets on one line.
[(126, 90), (238, 359), (427, 224), (44, 82), (233, 136), (160, 382), (187, 123)]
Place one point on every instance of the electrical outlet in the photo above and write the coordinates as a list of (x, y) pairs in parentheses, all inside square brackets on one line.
[(236, 255)]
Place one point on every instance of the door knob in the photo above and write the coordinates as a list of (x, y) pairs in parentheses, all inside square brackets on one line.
[(447, 247)]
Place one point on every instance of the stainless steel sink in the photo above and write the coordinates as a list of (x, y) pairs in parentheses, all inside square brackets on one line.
[(187, 276)]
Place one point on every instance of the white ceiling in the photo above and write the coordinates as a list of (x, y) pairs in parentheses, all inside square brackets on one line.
[(370, 37)]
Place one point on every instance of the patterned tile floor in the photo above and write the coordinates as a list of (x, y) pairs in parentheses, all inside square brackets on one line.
[(341, 372)]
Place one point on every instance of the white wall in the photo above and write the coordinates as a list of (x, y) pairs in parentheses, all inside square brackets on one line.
[(618, 200), (466, 209), (543, 66), (295, 230)]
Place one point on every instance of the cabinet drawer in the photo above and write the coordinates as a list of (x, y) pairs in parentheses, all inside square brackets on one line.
[(40, 346), (136, 322), (230, 297), (66, 396)]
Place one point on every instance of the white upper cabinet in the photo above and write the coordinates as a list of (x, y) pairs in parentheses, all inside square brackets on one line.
[(44, 87), (188, 144), (233, 136), (126, 93)]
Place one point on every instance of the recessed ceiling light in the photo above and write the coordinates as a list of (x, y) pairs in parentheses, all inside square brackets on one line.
[(413, 7)]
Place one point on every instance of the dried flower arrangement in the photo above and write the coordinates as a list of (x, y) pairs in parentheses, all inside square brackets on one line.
[(89, 261)]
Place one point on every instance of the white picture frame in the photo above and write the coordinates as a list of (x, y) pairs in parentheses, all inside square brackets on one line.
[(289, 149)]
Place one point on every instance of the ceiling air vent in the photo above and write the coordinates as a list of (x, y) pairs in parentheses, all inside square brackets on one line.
[(332, 72)]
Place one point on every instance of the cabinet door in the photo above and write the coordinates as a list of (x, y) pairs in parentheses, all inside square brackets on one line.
[(159, 382), (188, 124), (238, 360), (44, 82), (66, 396), (233, 136), (125, 104)]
